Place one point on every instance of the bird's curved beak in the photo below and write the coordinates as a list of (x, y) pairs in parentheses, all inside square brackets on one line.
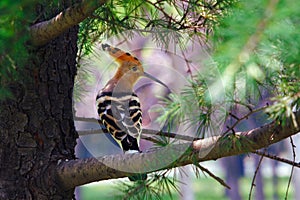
[(155, 79)]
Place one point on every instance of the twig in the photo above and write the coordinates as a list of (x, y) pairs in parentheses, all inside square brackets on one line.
[(166, 15), (234, 116), (274, 157), (145, 131), (221, 181), (256, 171), (238, 120), (171, 135), (292, 171), (244, 104), (187, 63)]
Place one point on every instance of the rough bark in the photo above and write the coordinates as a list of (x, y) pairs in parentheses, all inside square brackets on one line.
[(36, 124)]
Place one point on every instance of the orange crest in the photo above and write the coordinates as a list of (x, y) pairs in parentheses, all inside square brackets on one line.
[(120, 55)]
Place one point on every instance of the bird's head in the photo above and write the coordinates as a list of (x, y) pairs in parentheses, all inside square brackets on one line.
[(130, 69)]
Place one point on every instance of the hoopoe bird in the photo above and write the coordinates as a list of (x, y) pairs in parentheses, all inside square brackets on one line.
[(118, 107)]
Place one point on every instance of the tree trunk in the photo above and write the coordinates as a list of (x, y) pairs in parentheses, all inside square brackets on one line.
[(36, 124)]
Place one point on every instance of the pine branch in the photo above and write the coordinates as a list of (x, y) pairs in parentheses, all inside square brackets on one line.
[(43, 32), (238, 120), (78, 172)]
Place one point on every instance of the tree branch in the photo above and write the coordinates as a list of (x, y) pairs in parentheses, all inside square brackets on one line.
[(43, 32), (78, 172)]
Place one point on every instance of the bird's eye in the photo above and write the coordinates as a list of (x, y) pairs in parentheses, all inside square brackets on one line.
[(134, 68)]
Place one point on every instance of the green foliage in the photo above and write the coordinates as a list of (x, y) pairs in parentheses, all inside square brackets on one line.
[(16, 17), (162, 141), (192, 107), (255, 55), (283, 107), (203, 188), (257, 50), (155, 187), (239, 142), (167, 21), (14, 23)]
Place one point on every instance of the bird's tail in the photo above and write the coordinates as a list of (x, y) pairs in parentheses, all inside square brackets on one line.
[(132, 151)]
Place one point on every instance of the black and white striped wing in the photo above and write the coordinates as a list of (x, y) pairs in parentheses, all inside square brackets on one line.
[(133, 118), (122, 117)]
